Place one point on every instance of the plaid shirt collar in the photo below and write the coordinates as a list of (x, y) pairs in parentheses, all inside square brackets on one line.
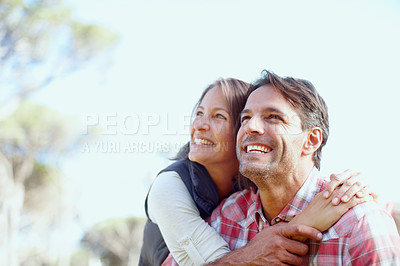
[(313, 185), (255, 211)]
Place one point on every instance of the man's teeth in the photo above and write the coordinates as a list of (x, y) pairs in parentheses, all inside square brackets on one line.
[(203, 142), (257, 149)]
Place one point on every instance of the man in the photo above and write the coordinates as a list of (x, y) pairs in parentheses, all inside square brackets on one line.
[(284, 126)]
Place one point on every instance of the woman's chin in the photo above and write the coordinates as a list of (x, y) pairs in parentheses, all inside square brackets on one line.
[(199, 157)]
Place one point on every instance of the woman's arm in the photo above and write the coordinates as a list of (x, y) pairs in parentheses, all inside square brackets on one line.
[(343, 193), (188, 237), (321, 214)]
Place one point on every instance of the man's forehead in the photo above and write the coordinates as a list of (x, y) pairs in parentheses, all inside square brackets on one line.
[(267, 96)]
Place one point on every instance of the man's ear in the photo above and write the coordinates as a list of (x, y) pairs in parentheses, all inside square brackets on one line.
[(313, 141)]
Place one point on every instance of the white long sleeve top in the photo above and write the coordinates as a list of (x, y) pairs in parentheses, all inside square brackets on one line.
[(189, 238)]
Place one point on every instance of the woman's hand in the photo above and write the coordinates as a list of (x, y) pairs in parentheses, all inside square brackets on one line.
[(321, 214), (349, 185), (341, 194)]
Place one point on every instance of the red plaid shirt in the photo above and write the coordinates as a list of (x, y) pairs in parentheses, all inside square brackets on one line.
[(365, 235)]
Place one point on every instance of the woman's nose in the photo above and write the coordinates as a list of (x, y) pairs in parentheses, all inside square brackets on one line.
[(201, 123)]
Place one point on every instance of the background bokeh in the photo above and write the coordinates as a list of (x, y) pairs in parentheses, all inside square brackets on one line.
[(96, 96)]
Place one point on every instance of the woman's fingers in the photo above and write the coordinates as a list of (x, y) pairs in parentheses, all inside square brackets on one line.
[(363, 192), (349, 189), (337, 180), (345, 186), (355, 201), (356, 190)]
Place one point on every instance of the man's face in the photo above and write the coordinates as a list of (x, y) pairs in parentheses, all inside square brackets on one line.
[(270, 139)]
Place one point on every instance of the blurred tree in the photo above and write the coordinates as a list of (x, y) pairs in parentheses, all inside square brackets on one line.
[(34, 198), (116, 242), (39, 41)]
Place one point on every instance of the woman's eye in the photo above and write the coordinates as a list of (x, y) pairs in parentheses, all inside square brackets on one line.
[(199, 113), (220, 116)]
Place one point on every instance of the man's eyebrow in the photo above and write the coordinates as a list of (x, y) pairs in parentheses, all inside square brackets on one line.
[(265, 110), (273, 110), (245, 111)]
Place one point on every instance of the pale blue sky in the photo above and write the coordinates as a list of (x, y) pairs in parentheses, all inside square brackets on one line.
[(169, 52)]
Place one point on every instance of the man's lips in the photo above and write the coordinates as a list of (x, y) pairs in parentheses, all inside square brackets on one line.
[(257, 148)]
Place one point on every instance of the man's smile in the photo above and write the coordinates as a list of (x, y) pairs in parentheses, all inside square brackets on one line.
[(257, 149)]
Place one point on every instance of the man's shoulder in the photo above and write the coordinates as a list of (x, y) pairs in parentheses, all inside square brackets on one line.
[(365, 235), (367, 217), (370, 212), (235, 207), (239, 202)]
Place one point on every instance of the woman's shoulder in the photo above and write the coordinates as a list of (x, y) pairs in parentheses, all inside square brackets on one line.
[(170, 174), (166, 181), (179, 166), (168, 193)]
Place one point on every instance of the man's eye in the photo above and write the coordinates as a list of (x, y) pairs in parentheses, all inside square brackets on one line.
[(244, 118), (275, 117), (199, 113)]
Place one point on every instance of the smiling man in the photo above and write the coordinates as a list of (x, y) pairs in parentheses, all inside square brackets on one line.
[(284, 126)]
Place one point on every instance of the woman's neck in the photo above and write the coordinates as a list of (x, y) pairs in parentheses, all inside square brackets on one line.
[(224, 176)]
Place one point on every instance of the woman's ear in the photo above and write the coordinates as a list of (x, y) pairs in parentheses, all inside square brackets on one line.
[(313, 141)]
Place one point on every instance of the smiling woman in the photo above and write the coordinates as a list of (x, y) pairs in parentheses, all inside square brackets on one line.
[(184, 194), (213, 140)]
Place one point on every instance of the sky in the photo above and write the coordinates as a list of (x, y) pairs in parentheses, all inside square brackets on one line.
[(169, 52)]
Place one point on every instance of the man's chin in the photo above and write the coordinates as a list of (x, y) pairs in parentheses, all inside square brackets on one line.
[(252, 169)]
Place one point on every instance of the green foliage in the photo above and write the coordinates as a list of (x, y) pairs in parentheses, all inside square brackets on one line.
[(33, 129), (41, 42), (116, 241), (80, 258), (90, 39), (42, 175), (34, 140), (110, 225)]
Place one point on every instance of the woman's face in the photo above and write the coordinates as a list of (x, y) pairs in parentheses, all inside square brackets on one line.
[(212, 138)]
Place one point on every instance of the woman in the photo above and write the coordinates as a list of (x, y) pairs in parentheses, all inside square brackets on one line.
[(185, 193)]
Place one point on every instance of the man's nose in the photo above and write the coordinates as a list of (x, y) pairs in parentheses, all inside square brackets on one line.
[(254, 126)]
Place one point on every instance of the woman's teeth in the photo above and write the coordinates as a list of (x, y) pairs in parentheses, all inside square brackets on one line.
[(257, 149), (202, 142)]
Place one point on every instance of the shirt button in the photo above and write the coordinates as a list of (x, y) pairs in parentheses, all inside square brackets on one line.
[(186, 242), (278, 220)]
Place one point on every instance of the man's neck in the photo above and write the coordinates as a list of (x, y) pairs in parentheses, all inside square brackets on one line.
[(274, 197)]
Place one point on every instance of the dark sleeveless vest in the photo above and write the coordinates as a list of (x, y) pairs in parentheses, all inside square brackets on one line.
[(204, 193)]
